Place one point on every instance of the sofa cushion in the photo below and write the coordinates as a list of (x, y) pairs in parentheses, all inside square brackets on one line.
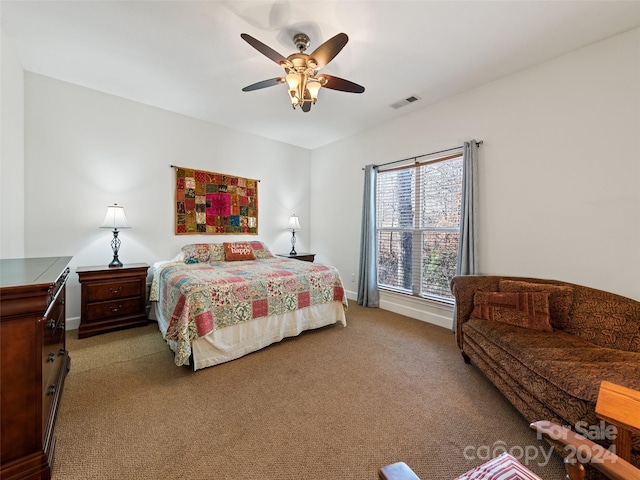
[(522, 309), (560, 298), (605, 319), (569, 363)]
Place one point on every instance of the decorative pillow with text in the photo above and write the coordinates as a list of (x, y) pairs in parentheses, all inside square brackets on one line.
[(234, 251), (522, 309)]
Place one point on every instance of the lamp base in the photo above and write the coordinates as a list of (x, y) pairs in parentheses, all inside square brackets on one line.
[(293, 243), (115, 246), (115, 263)]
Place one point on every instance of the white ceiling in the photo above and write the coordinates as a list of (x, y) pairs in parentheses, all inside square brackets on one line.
[(188, 57)]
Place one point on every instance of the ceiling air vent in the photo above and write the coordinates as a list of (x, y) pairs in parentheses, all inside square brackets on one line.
[(406, 101)]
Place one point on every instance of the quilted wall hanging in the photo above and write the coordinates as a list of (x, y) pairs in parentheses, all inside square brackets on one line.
[(215, 203)]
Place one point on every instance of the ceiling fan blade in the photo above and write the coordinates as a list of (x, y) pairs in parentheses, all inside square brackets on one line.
[(337, 83), (263, 49), (264, 84), (329, 49)]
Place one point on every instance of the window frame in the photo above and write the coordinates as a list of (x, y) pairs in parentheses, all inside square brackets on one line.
[(417, 234)]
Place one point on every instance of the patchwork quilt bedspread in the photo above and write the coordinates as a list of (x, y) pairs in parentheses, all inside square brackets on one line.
[(198, 298)]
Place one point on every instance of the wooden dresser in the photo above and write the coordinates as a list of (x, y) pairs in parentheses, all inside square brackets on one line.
[(33, 363), (112, 298)]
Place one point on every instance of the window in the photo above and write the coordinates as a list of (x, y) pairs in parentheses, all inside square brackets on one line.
[(418, 226)]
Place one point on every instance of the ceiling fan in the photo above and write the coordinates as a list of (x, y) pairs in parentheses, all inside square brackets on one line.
[(302, 70)]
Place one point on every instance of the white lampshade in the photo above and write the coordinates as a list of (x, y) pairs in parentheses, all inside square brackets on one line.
[(115, 217), (294, 224), (313, 87)]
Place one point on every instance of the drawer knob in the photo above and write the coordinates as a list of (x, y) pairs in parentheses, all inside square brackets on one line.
[(61, 301), (114, 309), (51, 390), (61, 352), (51, 357), (117, 290), (52, 324)]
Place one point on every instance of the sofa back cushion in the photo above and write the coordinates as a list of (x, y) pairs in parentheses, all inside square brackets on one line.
[(605, 319), (560, 298)]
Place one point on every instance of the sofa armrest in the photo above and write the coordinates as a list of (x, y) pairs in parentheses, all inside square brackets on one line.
[(464, 288), (584, 451)]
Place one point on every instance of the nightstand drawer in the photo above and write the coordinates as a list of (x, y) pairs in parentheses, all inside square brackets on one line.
[(116, 289), (112, 298), (114, 308)]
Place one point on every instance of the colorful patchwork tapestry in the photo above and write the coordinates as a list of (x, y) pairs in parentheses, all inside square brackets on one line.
[(215, 203), (198, 298)]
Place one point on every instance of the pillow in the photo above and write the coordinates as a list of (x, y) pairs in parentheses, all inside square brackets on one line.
[(203, 253), (523, 309), (261, 251), (560, 298), (234, 251), (503, 467)]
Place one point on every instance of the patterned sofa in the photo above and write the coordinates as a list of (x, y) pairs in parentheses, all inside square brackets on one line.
[(553, 371)]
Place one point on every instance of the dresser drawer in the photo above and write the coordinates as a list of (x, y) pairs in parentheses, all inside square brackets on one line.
[(53, 343), (98, 292), (114, 308)]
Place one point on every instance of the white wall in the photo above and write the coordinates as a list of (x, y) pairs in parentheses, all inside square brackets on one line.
[(86, 150), (11, 152), (559, 172)]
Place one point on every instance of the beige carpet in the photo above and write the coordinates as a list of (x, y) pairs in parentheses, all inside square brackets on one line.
[(331, 403)]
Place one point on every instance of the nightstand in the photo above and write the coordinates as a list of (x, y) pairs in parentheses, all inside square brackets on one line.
[(112, 298), (305, 257)]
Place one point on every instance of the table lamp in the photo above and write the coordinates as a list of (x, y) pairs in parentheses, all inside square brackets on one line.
[(294, 225), (115, 218)]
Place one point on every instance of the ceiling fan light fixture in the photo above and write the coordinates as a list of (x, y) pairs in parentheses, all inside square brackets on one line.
[(302, 69), (313, 86), (295, 101), (293, 79)]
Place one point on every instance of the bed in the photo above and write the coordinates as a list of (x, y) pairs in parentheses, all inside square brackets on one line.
[(217, 302)]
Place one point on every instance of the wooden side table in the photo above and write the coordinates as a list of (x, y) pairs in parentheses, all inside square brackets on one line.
[(304, 256), (112, 298)]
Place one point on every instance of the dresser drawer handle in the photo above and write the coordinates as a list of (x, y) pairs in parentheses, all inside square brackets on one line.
[(52, 324), (51, 357), (115, 309), (51, 390), (61, 352), (113, 292)]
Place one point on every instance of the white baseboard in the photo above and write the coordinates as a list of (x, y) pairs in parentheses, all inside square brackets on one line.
[(72, 323), (423, 310), (440, 315)]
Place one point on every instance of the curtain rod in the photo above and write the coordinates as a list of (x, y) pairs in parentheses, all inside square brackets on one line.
[(176, 166), (423, 155)]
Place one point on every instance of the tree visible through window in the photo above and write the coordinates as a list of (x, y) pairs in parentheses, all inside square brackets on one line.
[(418, 225)]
